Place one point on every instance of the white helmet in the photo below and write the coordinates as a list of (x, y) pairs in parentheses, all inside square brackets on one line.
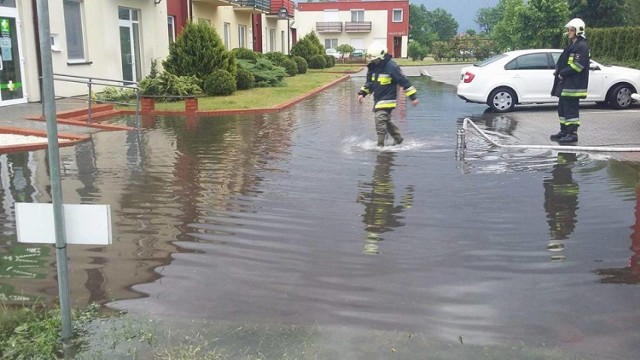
[(577, 24), (376, 50)]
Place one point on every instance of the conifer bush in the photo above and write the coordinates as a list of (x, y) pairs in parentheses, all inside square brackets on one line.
[(308, 46), (317, 62), (265, 72), (220, 83), (301, 63), (244, 78), (198, 51), (246, 54), (331, 61)]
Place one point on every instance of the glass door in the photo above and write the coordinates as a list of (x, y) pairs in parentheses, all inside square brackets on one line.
[(11, 75), (129, 43)]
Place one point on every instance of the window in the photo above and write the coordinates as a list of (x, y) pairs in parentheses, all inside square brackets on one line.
[(330, 43), (331, 15), (530, 62), (357, 15), (272, 40), (397, 15), (73, 29), (242, 36), (171, 27), (227, 35)]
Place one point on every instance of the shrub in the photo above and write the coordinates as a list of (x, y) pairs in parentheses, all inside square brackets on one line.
[(219, 83), (244, 78), (301, 63), (116, 94), (265, 72), (417, 51), (317, 62), (198, 51), (307, 47), (170, 87), (246, 54), (331, 61), (282, 60)]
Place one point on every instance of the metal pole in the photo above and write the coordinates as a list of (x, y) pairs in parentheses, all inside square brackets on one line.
[(90, 102), (288, 34), (48, 101)]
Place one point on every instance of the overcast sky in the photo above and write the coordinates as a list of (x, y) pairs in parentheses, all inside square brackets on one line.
[(464, 11)]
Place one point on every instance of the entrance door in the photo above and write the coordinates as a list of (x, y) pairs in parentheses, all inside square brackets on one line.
[(11, 76), (130, 43)]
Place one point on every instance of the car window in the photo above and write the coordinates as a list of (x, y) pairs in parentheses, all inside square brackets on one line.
[(555, 57), (489, 60), (538, 61)]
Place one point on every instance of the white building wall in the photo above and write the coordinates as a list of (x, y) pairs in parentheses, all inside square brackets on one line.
[(101, 42), (306, 22), (217, 16)]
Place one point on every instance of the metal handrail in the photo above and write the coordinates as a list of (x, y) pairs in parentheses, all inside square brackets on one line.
[(91, 81)]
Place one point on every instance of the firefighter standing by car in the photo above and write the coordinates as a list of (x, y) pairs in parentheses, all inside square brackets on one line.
[(383, 78), (571, 82)]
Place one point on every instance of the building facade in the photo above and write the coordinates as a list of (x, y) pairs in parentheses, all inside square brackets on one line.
[(357, 23)]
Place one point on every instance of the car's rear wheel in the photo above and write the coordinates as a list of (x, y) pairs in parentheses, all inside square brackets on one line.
[(620, 96), (502, 99)]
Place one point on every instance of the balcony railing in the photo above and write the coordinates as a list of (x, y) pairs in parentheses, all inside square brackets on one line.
[(359, 26), (262, 5), (329, 26)]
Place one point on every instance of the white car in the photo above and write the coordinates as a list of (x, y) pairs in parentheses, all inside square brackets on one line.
[(526, 77), (334, 53)]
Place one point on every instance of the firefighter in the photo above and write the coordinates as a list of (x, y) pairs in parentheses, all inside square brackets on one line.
[(571, 81), (383, 78)]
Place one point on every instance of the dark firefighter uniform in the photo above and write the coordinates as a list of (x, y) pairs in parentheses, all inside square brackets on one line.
[(573, 67), (382, 81)]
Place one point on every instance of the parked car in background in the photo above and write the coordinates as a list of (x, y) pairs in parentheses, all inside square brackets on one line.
[(334, 53), (358, 54), (526, 77)]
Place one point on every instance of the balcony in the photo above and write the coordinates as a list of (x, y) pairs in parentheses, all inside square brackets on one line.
[(329, 27), (252, 5), (359, 26), (276, 5)]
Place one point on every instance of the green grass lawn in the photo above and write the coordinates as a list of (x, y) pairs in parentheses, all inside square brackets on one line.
[(262, 98)]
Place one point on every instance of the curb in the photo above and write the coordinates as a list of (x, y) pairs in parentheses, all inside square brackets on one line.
[(73, 139)]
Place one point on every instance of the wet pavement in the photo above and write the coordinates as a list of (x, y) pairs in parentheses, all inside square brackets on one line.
[(296, 218)]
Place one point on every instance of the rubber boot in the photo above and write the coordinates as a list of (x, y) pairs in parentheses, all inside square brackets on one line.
[(572, 135), (562, 133), (397, 140), (381, 140)]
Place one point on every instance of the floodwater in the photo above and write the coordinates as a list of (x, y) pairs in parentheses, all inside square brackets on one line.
[(298, 218)]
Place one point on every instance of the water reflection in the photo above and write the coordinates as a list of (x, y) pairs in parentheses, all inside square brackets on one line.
[(561, 203), (631, 273), (381, 214)]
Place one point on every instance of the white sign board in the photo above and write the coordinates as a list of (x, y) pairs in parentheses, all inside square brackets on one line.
[(84, 224)]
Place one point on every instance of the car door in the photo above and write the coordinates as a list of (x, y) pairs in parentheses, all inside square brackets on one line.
[(596, 90), (531, 76)]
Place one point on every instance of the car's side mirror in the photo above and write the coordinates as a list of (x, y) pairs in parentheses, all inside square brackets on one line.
[(594, 67)]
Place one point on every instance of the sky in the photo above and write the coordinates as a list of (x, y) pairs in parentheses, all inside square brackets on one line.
[(464, 11)]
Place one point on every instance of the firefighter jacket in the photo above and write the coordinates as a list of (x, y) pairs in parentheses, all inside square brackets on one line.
[(382, 81), (573, 66)]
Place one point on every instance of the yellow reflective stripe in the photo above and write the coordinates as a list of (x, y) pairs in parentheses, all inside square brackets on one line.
[(385, 104), (384, 81), (410, 91), (364, 89), (574, 93), (575, 66)]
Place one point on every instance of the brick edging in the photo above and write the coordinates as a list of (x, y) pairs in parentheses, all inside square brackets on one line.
[(73, 139)]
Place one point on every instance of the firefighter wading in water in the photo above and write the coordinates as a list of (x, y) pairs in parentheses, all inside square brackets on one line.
[(383, 78), (571, 82)]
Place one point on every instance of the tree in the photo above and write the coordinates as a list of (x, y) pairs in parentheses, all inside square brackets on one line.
[(488, 17), (345, 49), (632, 12), (600, 13), (421, 30), (197, 52), (443, 23), (532, 25)]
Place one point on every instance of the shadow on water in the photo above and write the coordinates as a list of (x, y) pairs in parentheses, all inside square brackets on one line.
[(271, 219)]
